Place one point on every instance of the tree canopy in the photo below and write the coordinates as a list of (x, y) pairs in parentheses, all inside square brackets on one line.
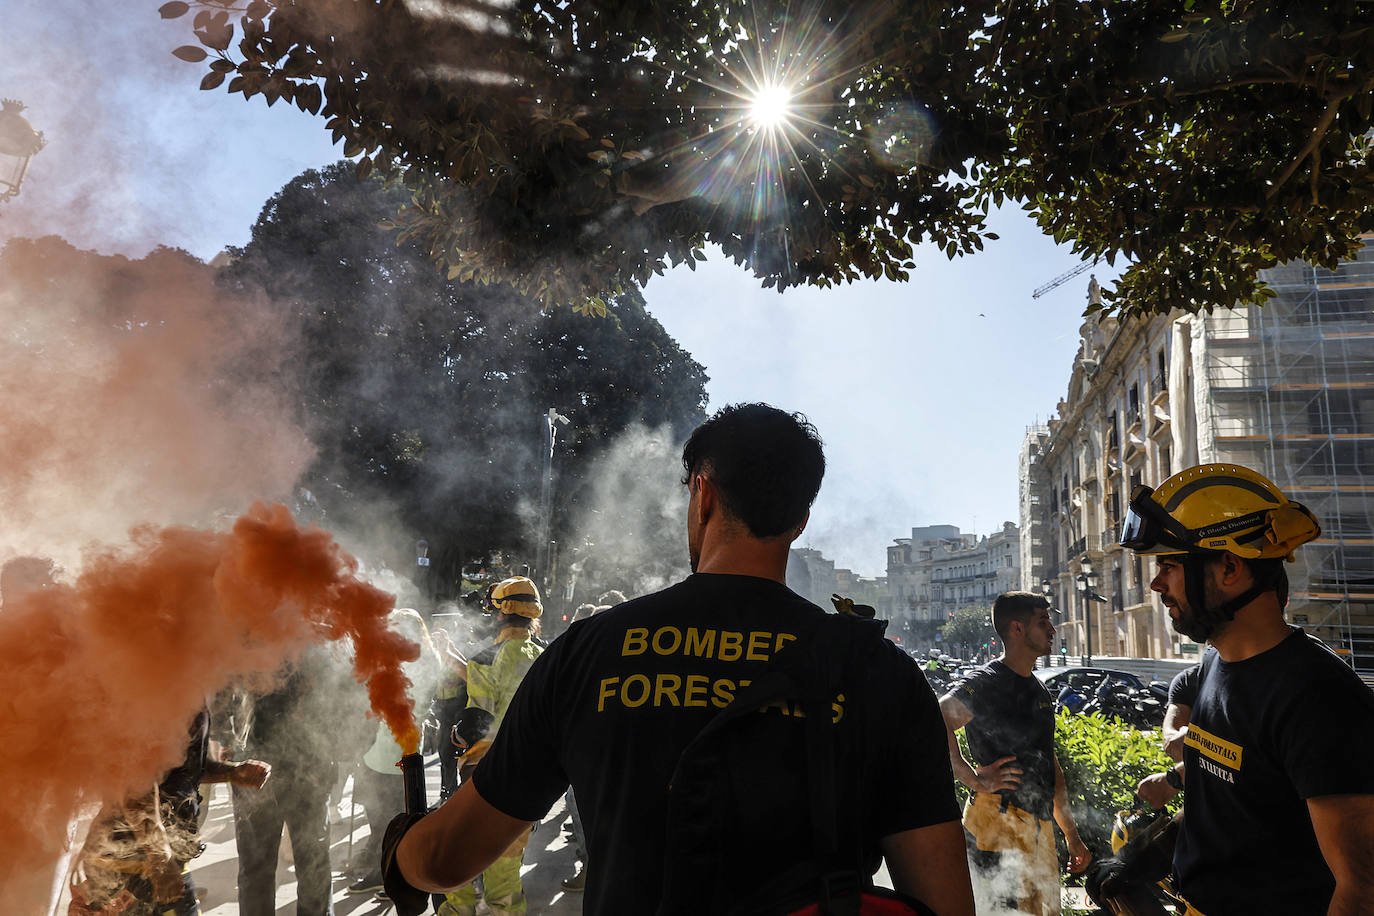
[(574, 148), (970, 626), (427, 395)]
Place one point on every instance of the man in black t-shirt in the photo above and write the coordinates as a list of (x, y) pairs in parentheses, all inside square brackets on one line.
[(1017, 784), (1279, 755), (1158, 789), (613, 703)]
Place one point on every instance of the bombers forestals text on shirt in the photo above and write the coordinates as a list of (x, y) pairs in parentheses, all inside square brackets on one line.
[(700, 691), (614, 701)]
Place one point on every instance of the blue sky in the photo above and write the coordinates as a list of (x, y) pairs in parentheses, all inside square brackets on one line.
[(922, 390)]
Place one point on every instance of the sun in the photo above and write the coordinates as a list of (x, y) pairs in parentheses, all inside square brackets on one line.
[(770, 106)]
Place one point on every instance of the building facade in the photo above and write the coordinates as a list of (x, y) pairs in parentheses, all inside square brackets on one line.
[(814, 577), (1286, 389), (939, 570)]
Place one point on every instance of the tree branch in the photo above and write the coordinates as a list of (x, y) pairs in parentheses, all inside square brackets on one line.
[(1316, 172), (1220, 87), (1318, 133)]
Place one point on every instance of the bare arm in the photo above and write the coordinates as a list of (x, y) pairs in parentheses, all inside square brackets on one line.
[(250, 774), (1344, 825), (991, 777), (1176, 719), (1079, 857), (451, 846), (1155, 789), (929, 863)]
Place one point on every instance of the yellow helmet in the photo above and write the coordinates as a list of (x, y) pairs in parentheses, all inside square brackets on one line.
[(517, 595), (1221, 507)]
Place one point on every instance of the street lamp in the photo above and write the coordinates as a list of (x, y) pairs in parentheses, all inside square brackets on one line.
[(551, 421), (18, 144), (1087, 587)]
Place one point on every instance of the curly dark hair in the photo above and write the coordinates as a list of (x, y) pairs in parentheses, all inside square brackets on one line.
[(766, 463)]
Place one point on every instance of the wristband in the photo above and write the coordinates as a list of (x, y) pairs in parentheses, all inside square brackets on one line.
[(1172, 778)]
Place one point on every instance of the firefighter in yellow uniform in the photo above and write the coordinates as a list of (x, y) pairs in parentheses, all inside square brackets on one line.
[(493, 675)]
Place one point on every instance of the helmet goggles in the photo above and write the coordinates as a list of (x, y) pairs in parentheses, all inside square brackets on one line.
[(1149, 528)]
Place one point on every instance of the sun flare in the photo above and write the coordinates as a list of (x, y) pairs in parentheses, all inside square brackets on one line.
[(770, 106)]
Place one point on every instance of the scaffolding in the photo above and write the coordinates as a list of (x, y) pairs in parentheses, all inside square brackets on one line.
[(1292, 389)]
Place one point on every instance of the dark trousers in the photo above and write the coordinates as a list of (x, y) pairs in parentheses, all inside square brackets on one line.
[(297, 799), (383, 796), (448, 711)]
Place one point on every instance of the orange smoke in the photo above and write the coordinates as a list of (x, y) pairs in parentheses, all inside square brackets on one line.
[(136, 391), (102, 677)]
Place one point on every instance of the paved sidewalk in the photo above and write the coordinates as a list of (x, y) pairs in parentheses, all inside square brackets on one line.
[(548, 860)]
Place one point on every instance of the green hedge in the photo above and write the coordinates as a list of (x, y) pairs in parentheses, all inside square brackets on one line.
[(1103, 761)]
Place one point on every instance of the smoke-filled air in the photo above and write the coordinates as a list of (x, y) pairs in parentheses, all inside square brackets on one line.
[(631, 535), (103, 674), (141, 401)]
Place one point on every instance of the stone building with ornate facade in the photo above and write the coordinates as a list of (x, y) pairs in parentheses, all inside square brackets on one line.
[(939, 570), (1286, 389)]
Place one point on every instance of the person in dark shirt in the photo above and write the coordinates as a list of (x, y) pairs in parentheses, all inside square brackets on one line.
[(297, 728), (1158, 789), (1279, 755), (613, 703), (1017, 784)]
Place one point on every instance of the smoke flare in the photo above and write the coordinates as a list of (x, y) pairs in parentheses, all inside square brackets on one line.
[(103, 676)]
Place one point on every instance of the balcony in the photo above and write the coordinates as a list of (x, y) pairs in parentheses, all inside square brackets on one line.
[(1082, 546), (1159, 385), (1110, 536), (973, 577)]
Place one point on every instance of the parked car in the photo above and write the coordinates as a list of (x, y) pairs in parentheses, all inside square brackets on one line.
[(1084, 680)]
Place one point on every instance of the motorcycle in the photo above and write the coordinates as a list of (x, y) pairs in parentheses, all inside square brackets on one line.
[(1140, 709)]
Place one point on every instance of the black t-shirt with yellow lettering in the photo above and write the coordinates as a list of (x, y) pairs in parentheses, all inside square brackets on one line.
[(614, 701), (1267, 734), (1013, 716)]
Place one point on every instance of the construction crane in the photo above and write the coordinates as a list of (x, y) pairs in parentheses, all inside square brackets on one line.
[(1064, 278)]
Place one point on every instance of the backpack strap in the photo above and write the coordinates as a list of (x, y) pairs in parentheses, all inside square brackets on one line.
[(807, 672)]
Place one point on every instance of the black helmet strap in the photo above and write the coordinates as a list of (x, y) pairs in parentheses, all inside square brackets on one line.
[(1211, 619)]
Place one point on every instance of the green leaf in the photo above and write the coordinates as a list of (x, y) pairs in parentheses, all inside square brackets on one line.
[(173, 9), (212, 80), (190, 53)]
